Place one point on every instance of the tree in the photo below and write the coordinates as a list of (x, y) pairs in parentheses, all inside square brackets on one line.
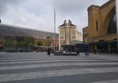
[(49, 40), (28, 41), (10, 42), (39, 43)]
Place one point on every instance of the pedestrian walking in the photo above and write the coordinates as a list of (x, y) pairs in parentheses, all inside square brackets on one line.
[(95, 52), (48, 51), (86, 49), (78, 52)]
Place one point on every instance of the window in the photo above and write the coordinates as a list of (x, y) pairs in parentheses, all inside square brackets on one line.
[(96, 25), (73, 33), (62, 33), (112, 26), (85, 31), (73, 37), (62, 37)]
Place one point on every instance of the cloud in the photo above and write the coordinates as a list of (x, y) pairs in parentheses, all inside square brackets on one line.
[(38, 14), (21, 17), (39, 7), (33, 14), (75, 6), (72, 6), (75, 10), (4, 5)]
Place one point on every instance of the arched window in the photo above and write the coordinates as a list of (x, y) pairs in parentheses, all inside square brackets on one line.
[(112, 26)]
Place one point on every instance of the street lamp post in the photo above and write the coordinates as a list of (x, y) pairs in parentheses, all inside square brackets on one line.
[(117, 21), (54, 29)]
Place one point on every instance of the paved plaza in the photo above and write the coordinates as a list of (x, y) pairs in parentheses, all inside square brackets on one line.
[(37, 67)]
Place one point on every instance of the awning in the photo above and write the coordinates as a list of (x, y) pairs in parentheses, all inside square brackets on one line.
[(113, 42), (103, 43)]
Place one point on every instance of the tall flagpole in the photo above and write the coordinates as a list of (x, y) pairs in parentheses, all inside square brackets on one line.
[(117, 21), (54, 29)]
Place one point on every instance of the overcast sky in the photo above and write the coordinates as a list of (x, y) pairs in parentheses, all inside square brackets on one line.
[(38, 14)]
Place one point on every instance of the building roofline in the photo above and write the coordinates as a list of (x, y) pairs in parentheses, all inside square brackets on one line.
[(95, 6), (107, 3), (102, 6), (85, 27), (19, 27)]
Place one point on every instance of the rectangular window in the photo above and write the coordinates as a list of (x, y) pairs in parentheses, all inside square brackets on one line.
[(96, 25), (73, 37), (62, 37)]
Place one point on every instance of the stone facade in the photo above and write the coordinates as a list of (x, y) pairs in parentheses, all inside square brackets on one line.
[(85, 35), (100, 27), (68, 34)]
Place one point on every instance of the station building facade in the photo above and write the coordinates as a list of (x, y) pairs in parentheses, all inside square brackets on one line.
[(16, 37), (101, 32)]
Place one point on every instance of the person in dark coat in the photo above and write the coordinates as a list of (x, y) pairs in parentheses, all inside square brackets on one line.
[(48, 51), (86, 49), (78, 52), (95, 52)]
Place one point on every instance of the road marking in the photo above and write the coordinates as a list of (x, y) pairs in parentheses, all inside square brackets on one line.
[(53, 65), (108, 81), (50, 58), (48, 61), (65, 72)]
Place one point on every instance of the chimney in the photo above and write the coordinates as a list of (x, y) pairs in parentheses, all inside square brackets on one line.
[(64, 21), (69, 22)]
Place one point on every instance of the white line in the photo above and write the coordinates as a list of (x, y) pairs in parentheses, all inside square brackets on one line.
[(65, 72), (49, 58), (108, 81), (52, 65), (37, 59), (52, 58), (47, 61)]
